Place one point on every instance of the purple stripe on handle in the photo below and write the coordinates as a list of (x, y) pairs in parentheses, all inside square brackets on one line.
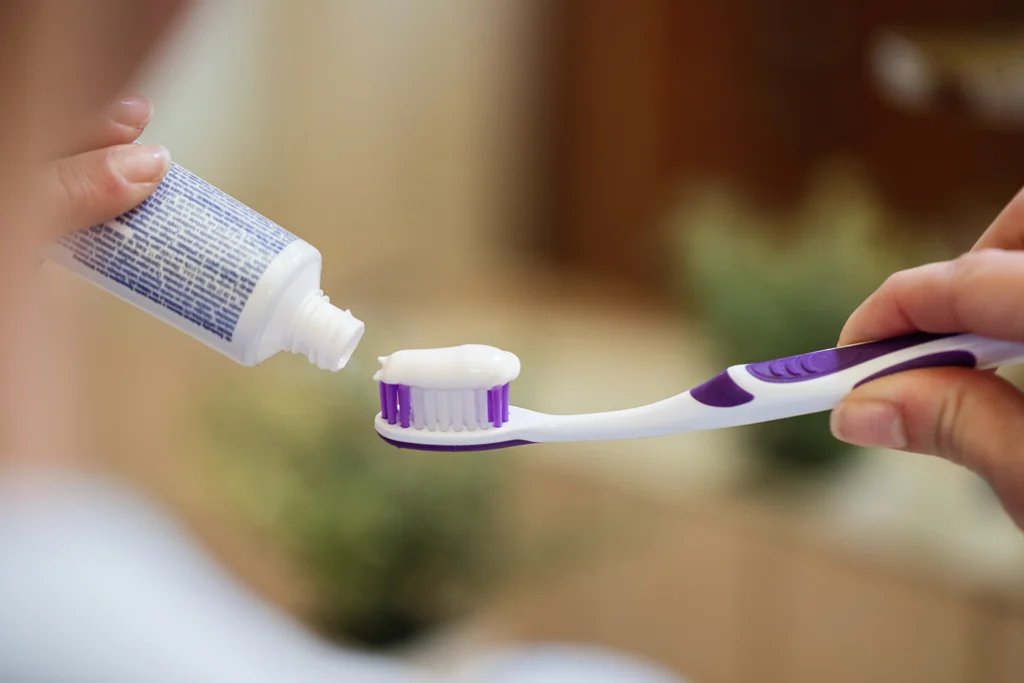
[(504, 403), (810, 365), (721, 392), (962, 359), (383, 400), (404, 405), (468, 448), (391, 400)]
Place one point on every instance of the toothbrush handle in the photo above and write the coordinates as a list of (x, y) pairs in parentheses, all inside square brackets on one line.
[(773, 390), (865, 362), (818, 381)]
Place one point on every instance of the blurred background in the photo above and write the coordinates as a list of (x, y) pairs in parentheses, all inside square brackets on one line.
[(630, 196)]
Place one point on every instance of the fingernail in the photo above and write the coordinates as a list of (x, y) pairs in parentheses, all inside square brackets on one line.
[(876, 424), (141, 164), (132, 111)]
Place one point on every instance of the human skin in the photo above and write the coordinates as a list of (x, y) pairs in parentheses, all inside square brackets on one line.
[(64, 126), (975, 419)]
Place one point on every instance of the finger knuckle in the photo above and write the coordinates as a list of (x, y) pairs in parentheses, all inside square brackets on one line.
[(948, 425), (960, 439), (966, 271), (896, 280), (86, 185), (70, 182), (108, 183), (893, 293)]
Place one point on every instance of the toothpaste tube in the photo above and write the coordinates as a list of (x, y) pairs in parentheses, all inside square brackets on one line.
[(213, 268)]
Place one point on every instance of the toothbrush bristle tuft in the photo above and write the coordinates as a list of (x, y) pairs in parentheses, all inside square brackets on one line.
[(444, 410)]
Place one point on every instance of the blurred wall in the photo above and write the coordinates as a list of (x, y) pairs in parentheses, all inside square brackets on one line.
[(656, 97), (386, 133)]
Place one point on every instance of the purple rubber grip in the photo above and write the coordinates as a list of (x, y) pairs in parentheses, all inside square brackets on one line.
[(721, 392), (943, 359), (820, 363)]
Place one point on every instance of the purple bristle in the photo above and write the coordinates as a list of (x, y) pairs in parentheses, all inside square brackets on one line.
[(383, 399), (404, 405), (391, 403), (497, 405), (494, 406)]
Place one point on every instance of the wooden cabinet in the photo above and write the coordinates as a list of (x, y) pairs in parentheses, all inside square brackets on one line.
[(650, 95)]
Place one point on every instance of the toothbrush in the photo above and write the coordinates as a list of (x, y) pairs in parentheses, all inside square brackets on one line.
[(457, 399)]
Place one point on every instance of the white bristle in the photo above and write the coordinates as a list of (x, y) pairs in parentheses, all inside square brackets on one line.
[(430, 409), (469, 415), (455, 409), (449, 410), (481, 409), (444, 420), (418, 410)]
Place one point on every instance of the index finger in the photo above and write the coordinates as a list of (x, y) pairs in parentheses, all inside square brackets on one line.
[(979, 292)]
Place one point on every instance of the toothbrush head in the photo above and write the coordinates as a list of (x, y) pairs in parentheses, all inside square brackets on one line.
[(451, 399)]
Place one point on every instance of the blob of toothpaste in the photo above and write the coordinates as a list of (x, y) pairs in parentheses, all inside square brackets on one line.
[(470, 366)]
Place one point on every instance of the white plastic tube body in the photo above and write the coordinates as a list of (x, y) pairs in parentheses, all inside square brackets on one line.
[(215, 269)]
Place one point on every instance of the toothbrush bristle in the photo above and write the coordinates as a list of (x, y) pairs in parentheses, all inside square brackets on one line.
[(444, 410)]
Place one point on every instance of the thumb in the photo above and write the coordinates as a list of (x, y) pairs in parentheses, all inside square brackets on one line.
[(972, 418), (94, 187)]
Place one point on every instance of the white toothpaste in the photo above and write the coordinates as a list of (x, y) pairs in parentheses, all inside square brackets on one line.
[(471, 366)]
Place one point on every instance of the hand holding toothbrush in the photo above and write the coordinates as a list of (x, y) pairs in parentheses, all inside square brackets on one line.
[(972, 418), (897, 388)]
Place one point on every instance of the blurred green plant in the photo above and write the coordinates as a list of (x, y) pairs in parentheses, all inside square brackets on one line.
[(395, 542), (768, 286)]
